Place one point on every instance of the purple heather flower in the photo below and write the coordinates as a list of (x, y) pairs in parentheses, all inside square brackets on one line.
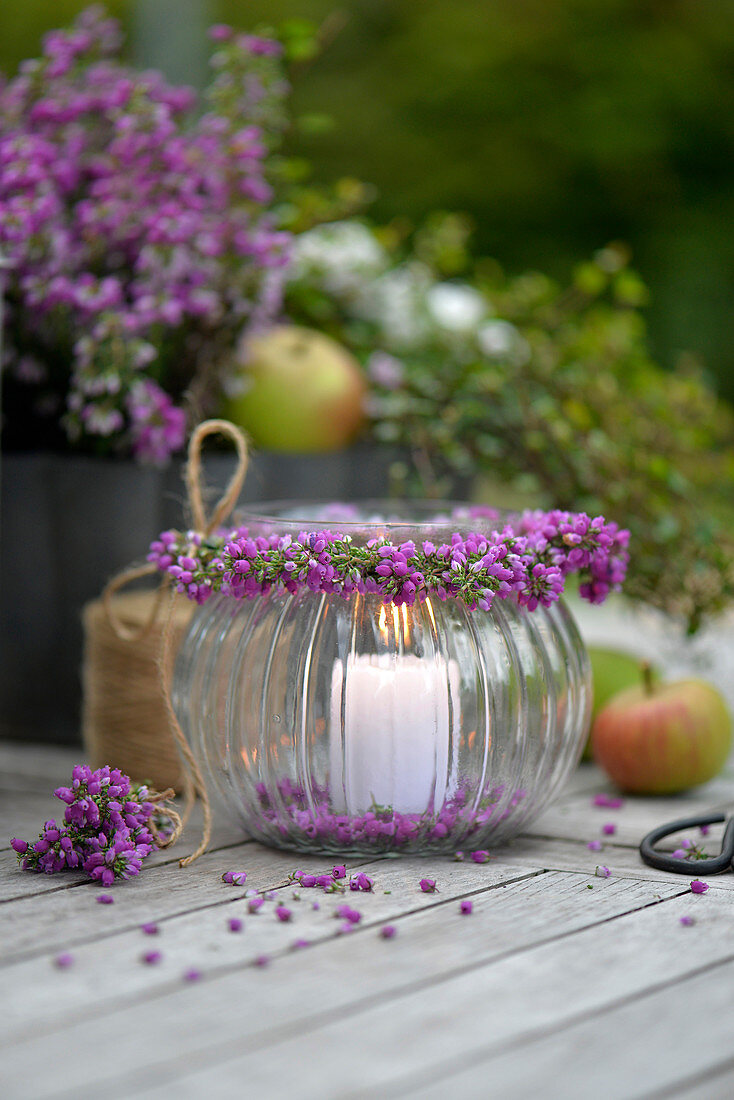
[(466, 906), (609, 829), (705, 830), (315, 905), (104, 899), (150, 929), (64, 960), (607, 801), (361, 882), (234, 924), (298, 944), (283, 913), (602, 872), (254, 904), (345, 912), (594, 845), (687, 920), (680, 853), (428, 885), (339, 871), (235, 878), (151, 958), (192, 975), (459, 857), (388, 931), (481, 856), (261, 960), (698, 887)]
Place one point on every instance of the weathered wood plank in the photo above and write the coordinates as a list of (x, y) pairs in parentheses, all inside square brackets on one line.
[(202, 939), (35, 767), (358, 976), (378, 1046), (623, 862), (575, 817), (642, 1049)]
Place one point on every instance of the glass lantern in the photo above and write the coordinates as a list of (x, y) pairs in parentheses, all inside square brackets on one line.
[(354, 726)]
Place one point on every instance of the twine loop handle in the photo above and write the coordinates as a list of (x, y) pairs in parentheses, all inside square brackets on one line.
[(194, 780)]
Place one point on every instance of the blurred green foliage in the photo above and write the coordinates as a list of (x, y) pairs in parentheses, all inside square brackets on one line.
[(556, 124)]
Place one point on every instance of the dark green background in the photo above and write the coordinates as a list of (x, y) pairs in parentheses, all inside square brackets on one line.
[(557, 124)]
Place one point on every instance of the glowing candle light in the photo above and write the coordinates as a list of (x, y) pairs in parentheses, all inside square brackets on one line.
[(394, 723)]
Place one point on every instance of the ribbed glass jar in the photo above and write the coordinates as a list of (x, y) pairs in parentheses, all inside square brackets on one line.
[(351, 726)]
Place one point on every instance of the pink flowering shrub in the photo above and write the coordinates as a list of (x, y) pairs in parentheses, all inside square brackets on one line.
[(139, 227)]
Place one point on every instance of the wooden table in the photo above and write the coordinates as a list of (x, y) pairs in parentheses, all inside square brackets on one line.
[(559, 984)]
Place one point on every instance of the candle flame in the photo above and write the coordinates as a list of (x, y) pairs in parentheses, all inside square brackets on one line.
[(400, 624)]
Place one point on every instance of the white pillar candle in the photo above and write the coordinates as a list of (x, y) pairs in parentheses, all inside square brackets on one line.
[(394, 728)]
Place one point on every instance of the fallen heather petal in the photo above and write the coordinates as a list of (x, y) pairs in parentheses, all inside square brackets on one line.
[(459, 857), (283, 913), (105, 899), (64, 960), (235, 878), (607, 801), (192, 975), (602, 872), (594, 845), (254, 904), (388, 931), (428, 885), (687, 920), (234, 924), (152, 957), (482, 856), (261, 960), (298, 944), (609, 829), (698, 887), (466, 906), (150, 929)]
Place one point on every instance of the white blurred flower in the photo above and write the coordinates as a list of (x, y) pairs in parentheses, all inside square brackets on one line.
[(456, 307), (396, 302), (344, 255), (501, 340)]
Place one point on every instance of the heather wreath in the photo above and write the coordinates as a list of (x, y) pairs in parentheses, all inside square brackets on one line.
[(138, 222), (528, 560)]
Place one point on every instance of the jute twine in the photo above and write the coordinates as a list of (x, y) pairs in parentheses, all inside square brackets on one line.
[(148, 630)]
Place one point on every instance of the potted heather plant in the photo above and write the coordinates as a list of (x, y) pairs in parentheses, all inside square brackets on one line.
[(138, 224)]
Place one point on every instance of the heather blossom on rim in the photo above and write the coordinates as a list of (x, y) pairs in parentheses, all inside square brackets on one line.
[(528, 559), (138, 223)]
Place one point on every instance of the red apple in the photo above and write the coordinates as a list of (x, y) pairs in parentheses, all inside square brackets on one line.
[(662, 738), (301, 391)]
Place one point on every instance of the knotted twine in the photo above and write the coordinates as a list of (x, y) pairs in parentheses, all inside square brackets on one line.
[(194, 783)]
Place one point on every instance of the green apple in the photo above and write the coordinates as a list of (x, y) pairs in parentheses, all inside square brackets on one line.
[(612, 670), (301, 391), (660, 738)]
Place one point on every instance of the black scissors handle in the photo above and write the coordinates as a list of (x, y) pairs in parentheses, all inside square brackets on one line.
[(713, 866)]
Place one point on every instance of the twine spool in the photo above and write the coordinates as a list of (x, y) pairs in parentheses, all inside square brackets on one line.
[(124, 718)]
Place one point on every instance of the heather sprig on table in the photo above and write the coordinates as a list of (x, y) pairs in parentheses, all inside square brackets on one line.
[(110, 825), (528, 559)]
